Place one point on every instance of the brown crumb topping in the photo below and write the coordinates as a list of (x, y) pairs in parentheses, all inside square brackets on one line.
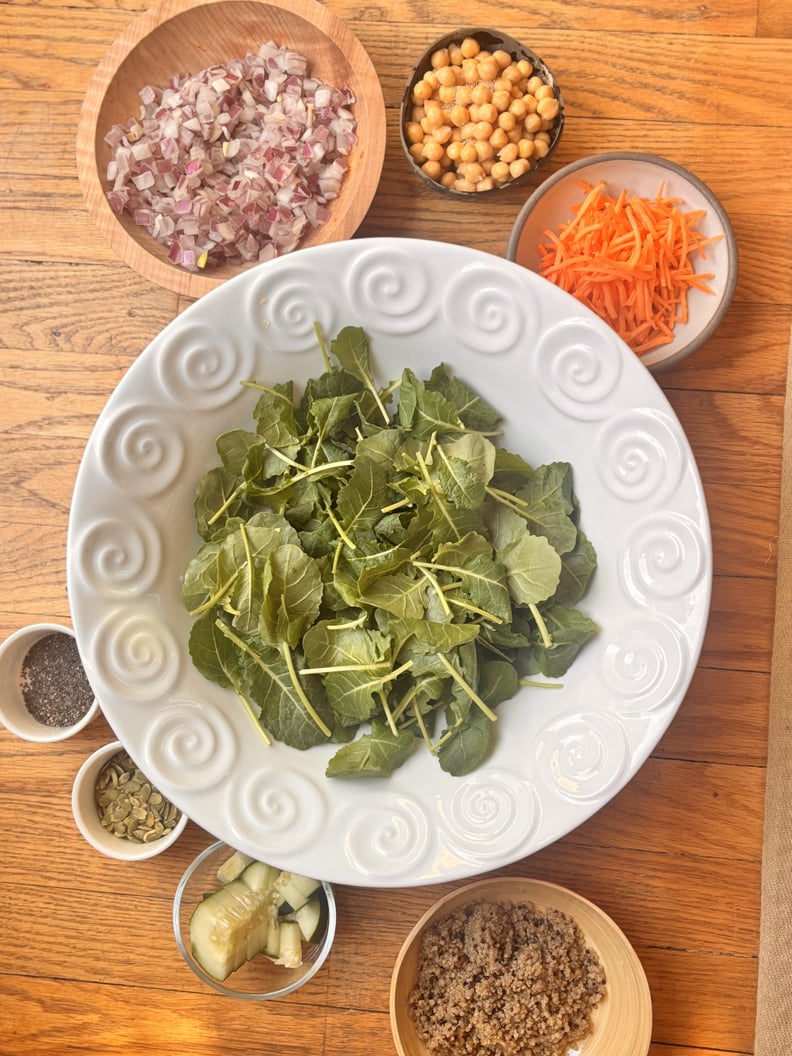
[(504, 979)]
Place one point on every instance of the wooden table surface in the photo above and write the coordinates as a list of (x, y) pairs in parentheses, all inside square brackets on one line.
[(87, 958)]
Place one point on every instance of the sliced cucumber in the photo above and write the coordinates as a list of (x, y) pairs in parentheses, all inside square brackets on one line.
[(232, 867), (272, 944), (228, 928), (294, 889), (260, 877), (290, 955), (308, 917)]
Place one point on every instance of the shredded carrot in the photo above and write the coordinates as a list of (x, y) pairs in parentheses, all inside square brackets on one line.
[(630, 260)]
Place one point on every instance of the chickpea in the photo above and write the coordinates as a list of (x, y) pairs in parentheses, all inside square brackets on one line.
[(474, 115), (483, 130), (468, 153), (526, 148), (417, 114), (484, 150), (464, 185), (473, 172), (481, 94), (541, 148), (508, 153), (543, 137), (511, 74), (488, 112), (442, 134), (464, 95), (446, 94), (544, 91), (525, 67), (487, 184), (431, 79), (534, 83), (470, 47), (488, 69), (498, 138), (467, 130), (440, 58), (501, 100), (454, 150), (432, 150), (517, 107), (507, 121), (432, 169), (455, 55), (503, 58), (448, 179), (422, 91), (548, 108), (519, 168), (415, 151), (502, 85), (413, 132), (531, 103), (446, 77), (470, 72), (532, 123), (500, 171), (459, 115)]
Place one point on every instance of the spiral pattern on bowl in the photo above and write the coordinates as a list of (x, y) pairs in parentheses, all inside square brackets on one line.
[(201, 368), (583, 757), (664, 559), (119, 557), (643, 666), (490, 814), (387, 836), (640, 457), (488, 312), (136, 655), (284, 305), (142, 453), (284, 809), (578, 365), (192, 744), (394, 286)]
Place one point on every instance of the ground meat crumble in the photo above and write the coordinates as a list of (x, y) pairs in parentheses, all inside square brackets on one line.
[(504, 979)]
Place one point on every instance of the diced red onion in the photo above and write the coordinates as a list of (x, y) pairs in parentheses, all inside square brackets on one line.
[(236, 162)]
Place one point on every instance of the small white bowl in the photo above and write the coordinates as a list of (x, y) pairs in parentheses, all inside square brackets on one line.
[(642, 175), (86, 814), (14, 714)]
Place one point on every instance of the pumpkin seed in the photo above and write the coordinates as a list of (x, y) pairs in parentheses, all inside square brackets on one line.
[(129, 806)]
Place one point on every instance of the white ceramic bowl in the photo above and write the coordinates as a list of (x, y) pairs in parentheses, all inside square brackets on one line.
[(14, 714), (86, 814), (643, 175), (259, 979)]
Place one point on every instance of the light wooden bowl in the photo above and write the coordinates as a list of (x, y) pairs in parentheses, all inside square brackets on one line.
[(180, 36), (622, 1022)]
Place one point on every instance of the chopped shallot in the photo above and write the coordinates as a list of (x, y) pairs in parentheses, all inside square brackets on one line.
[(235, 163)]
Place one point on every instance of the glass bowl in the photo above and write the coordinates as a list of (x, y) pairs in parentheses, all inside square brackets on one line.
[(260, 978)]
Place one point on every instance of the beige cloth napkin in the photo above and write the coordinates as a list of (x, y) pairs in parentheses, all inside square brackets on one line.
[(774, 993)]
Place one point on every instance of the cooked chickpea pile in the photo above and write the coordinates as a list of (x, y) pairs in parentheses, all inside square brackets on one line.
[(479, 118)]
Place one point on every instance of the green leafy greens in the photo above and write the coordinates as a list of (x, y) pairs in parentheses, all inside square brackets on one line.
[(381, 577)]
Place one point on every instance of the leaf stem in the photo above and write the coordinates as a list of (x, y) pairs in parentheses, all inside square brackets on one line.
[(385, 707), (289, 660), (460, 681), (433, 492), (231, 498), (215, 598), (547, 641), (437, 588), (337, 525), (320, 340), (422, 727), (541, 685)]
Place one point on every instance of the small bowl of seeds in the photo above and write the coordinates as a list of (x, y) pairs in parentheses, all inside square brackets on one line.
[(46, 695), (119, 811)]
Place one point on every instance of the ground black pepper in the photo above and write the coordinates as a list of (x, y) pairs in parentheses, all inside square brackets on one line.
[(54, 685)]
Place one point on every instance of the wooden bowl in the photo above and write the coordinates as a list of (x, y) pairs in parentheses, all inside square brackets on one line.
[(622, 1022), (180, 36)]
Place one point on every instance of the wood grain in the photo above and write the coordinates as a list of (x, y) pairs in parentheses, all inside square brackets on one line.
[(88, 964)]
